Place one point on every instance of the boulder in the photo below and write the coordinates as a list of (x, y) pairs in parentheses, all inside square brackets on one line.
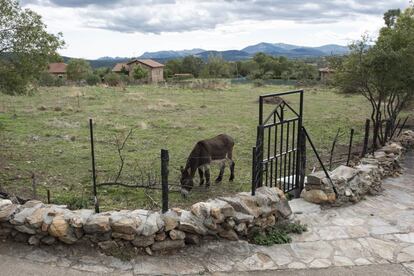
[(127, 237), (315, 178), (98, 223), (240, 217), (79, 217), (315, 196), (344, 172), (4, 203), (229, 235), (143, 241), (201, 210), (35, 220), (20, 217), (220, 208), (25, 229), (192, 224), (168, 245), (151, 222), (177, 235), (60, 229), (123, 224), (283, 208), (170, 219), (7, 211)]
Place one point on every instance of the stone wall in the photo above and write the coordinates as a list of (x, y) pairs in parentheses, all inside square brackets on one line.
[(230, 218), (353, 183)]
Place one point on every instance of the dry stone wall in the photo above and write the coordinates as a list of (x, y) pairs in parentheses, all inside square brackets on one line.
[(230, 218), (353, 183)]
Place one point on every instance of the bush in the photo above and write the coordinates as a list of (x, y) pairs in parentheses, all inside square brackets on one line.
[(278, 234), (93, 79), (125, 79), (258, 83), (112, 79), (46, 79)]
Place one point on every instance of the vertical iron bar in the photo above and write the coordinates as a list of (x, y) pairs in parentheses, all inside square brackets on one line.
[(254, 160), (281, 147), (366, 138), (259, 147), (164, 179), (294, 149), (269, 137), (48, 196), (276, 158), (300, 153), (260, 110), (302, 162), (287, 156), (350, 147), (95, 195)]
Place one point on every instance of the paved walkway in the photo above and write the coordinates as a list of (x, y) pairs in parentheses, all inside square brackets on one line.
[(373, 237)]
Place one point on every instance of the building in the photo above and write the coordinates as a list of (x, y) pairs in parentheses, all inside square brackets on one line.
[(58, 69), (325, 74), (155, 69)]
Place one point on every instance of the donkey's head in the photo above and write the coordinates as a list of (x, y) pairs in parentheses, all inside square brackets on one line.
[(186, 181)]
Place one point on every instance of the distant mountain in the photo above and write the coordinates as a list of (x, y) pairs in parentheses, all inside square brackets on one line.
[(274, 49), (171, 54), (231, 55)]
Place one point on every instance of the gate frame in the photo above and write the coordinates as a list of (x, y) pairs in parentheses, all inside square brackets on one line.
[(258, 150)]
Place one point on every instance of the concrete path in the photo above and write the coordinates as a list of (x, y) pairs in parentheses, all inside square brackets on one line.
[(373, 237)]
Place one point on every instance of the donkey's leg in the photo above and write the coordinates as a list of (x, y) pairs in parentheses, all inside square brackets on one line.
[(232, 164), (207, 175), (200, 173), (220, 176)]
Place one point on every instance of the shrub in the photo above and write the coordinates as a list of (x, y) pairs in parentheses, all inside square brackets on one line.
[(278, 234), (112, 79), (93, 79), (46, 79), (258, 83)]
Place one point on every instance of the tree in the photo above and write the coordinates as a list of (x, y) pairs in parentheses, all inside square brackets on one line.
[(216, 67), (112, 79), (78, 69), (383, 73), (25, 47), (139, 73), (192, 65)]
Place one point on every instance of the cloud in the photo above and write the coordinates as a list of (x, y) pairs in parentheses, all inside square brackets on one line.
[(163, 16)]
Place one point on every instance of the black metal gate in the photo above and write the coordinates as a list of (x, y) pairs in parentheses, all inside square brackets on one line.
[(279, 156)]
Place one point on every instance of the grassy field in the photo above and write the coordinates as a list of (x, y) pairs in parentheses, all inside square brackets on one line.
[(47, 134)]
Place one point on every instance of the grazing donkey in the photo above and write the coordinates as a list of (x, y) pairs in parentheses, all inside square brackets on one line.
[(217, 149)]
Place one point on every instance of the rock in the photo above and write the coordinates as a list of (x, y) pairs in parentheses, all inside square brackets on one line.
[(177, 235), (60, 229), (240, 217), (148, 251), (192, 224), (4, 203), (170, 219), (219, 208), (48, 240), (35, 220), (143, 241), (229, 235), (127, 237), (160, 236), (123, 224), (283, 208), (25, 229), (315, 178), (151, 222), (192, 239), (345, 172), (331, 197), (20, 217), (210, 224), (34, 240), (108, 246), (167, 245), (21, 237), (42, 108), (348, 192), (241, 228), (97, 224), (79, 217), (201, 210), (314, 196)]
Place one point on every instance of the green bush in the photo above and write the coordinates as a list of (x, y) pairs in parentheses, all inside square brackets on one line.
[(93, 79), (278, 234), (112, 79), (46, 79)]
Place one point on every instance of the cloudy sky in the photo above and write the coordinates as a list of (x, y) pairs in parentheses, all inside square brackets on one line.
[(96, 28)]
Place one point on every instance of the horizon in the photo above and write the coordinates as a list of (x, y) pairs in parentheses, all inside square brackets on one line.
[(129, 28)]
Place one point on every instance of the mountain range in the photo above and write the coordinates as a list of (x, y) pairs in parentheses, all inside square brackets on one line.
[(274, 49)]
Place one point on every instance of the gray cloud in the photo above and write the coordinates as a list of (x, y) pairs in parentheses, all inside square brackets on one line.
[(156, 16)]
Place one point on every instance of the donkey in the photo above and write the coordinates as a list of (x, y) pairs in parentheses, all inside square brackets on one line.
[(217, 149)]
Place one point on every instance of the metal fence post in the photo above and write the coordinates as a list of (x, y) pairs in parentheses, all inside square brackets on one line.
[(259, 156), (350, 147), (366, 138), (302, 160), (164, 179), (254, 160), (95, 195)]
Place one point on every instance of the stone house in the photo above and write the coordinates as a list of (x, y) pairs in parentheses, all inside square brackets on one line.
[(57, 69), (155, 69), (325, 74)]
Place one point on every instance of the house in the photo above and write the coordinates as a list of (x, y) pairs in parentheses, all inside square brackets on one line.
[(325, 74), (155, 69), (58, 69)]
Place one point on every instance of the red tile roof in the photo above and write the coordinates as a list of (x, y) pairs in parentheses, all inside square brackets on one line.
[(57, 68), (118, 67), (148, 62)]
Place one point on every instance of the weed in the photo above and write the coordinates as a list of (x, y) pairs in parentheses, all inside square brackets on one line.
[(278, 234)]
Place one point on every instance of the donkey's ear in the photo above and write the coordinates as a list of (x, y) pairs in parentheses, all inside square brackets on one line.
[(182, 169)]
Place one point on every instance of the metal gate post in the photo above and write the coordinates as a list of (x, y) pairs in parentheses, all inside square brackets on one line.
[(259, 156), (164, 179)]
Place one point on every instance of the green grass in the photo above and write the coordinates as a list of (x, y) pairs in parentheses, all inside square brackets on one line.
[(55, 144), (279, 234)]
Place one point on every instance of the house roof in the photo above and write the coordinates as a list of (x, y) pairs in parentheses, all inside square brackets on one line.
[(57, 68), (148, 62), (326, 70), (118, 67)]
